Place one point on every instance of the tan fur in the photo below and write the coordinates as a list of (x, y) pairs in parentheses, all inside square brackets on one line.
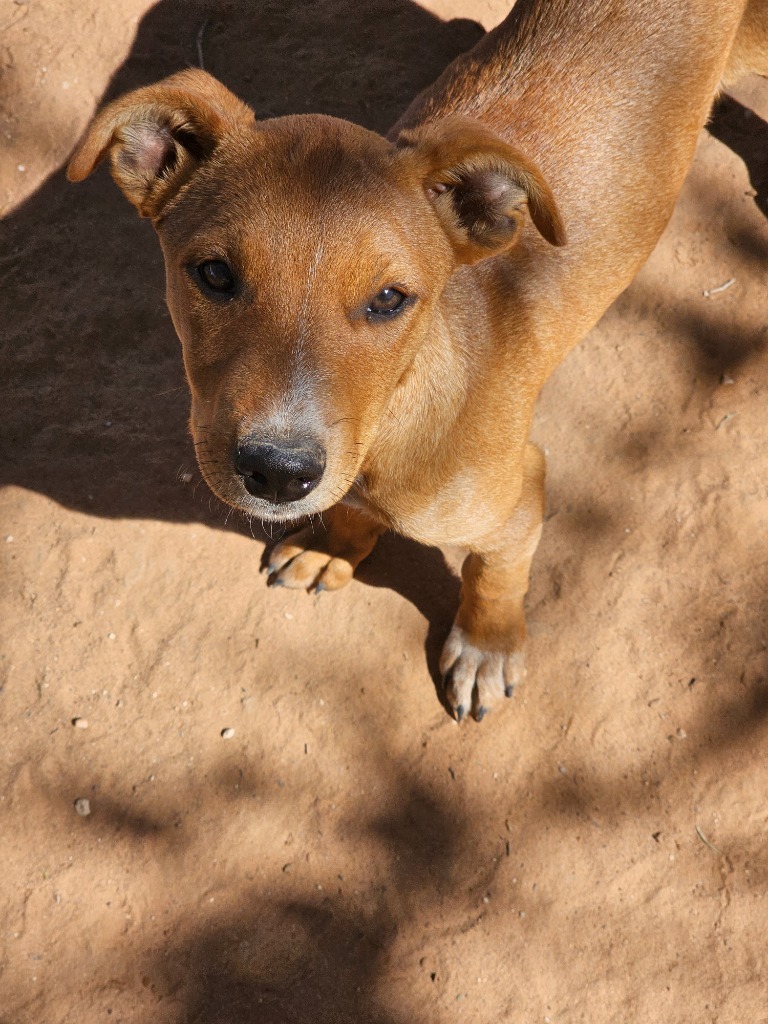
[(580, 116)]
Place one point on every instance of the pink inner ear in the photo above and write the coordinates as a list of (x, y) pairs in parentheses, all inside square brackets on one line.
[(493, 186), (146, 148), (496, 190)]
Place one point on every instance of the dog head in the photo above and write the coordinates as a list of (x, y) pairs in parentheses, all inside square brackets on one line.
[(305, 261)]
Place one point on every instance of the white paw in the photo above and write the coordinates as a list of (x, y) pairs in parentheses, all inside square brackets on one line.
[(475, 679)]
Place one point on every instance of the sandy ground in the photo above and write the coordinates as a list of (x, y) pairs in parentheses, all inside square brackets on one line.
[(595, 851)]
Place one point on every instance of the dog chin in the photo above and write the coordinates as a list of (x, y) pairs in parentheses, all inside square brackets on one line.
[(284, 513), (233, 492)]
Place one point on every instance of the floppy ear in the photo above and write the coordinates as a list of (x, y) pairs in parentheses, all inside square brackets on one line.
[(158, 135), (479, 186)]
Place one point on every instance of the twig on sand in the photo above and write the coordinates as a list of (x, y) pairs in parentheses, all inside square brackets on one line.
[(708, 292), (706, 842), (728, 416)]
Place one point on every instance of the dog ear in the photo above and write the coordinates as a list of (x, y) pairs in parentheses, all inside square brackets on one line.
[(157, 136), (480, 186)]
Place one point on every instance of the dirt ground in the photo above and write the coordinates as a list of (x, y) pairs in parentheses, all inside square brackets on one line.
[(597, 850)]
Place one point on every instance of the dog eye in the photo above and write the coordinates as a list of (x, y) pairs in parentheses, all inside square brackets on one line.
[(387, 302), (216, 275)]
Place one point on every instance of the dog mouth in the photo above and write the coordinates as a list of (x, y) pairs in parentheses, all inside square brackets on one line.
[(287, 512), (233, 493)]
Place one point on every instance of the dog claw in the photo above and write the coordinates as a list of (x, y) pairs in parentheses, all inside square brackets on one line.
[(320, 587), (480, 713), (508, 691), (459, 712)]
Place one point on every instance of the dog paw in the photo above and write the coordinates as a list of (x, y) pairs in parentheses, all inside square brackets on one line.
[(475, 679), (298, 563)]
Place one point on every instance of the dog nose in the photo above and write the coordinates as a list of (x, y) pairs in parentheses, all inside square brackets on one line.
[(279, 473)]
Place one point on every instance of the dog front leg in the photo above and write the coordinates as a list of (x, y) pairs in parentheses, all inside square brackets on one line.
[(483, 658), (324, 555)]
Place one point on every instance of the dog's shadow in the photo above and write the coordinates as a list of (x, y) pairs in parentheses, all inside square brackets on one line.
[(422, 576), (746, 134)]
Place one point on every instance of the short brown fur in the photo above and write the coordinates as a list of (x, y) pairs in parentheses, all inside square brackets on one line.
[(580, 115)]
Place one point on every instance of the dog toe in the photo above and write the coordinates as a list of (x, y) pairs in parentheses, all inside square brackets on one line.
[(282, 553), (306, 570), (336, 574), (459, 663)]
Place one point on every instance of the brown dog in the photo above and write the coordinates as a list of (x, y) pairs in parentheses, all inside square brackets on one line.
[(367, 322)]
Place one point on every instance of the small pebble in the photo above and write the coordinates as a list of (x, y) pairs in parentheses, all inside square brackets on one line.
[(83, 806), (80, 723), (21, 167), (9, 539), (227, 734), (111, 636)]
